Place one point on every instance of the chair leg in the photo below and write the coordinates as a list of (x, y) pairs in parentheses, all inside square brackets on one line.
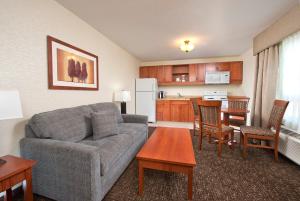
[(209, 138), (200, 139), (241, 139), (232, 139), (276, 154), (220, 148), (276, 150), (245, 141), (194, 128)]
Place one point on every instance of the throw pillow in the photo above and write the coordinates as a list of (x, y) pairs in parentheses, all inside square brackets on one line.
[(104, 124)]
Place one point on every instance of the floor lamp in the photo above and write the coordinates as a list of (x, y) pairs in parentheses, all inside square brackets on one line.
[(10, 107), (123, 96)]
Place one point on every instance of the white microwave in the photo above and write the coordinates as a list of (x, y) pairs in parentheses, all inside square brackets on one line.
[(220, 77)]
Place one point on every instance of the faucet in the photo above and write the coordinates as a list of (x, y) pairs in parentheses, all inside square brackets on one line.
[(179, 95)]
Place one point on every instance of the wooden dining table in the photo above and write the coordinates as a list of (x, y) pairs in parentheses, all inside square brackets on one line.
[(234, 112)]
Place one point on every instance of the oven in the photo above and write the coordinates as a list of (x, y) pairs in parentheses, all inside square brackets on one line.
[(217, 95)]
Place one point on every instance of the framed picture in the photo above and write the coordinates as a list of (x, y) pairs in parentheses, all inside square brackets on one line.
[(71, 68)]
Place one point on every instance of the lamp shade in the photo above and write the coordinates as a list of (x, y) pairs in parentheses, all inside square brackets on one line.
[(122, 96), (10, 105)]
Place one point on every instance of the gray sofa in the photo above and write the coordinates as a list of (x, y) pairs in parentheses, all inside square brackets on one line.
[(71, 166)]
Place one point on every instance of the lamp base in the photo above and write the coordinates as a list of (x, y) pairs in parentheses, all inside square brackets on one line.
[(2, 162), (123, 107)]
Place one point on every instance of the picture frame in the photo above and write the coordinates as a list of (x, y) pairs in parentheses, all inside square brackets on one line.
[(71, 68)]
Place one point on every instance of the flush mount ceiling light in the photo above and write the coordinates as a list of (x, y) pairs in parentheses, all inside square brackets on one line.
[(187, 46)]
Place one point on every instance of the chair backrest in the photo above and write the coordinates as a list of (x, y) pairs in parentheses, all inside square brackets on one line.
[(210, 113), (277, 114), (195, 106), (238, 103)]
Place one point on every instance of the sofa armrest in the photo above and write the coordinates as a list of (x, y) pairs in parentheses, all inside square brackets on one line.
[(133, 118), (64, 170)]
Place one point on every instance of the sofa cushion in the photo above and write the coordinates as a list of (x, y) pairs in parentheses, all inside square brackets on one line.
[(107, 107), (111, 149), (104, 124), (133, 129), (69, 124)]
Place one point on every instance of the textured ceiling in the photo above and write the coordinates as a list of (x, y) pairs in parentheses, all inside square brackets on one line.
[(152, 29)]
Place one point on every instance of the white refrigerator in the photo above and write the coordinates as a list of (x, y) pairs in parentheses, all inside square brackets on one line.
[(145, 97)]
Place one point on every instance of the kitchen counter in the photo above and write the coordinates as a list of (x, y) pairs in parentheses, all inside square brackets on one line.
[(178, 98)]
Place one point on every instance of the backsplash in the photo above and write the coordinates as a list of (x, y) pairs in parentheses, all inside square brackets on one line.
[(199, 90)]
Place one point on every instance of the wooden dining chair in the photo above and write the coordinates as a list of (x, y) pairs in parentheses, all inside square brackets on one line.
[(266, 134), (211, 125), (196, 114), (240, 103)]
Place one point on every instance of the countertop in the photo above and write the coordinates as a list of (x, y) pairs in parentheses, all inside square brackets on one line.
[(189, 97), (178, 98)]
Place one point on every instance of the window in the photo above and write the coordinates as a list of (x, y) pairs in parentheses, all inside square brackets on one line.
[(288, 87)]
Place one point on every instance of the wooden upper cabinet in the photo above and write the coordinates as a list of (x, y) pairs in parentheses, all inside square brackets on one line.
[(160, 74), (197, 73), (236, 72), (210, 67), (201, 73), (164, 74), (168, 73), (152, 71), (144, 72), (193, 72), (223, 66)]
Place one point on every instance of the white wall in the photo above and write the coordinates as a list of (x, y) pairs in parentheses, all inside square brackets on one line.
[(24, 26), (249, 74), (244, 89)]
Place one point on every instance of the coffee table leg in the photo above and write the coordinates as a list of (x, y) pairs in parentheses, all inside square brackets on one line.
[(8, 195), (27, 186), (141, 178), (190, 184)]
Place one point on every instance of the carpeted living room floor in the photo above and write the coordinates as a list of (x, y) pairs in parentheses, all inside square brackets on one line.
[(257, 178)]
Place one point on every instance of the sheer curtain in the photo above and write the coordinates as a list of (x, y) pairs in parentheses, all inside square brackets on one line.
[(288, 85)]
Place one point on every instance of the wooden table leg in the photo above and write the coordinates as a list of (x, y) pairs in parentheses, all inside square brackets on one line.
[(141, 178), (8, 195), (190, 184), (27, 186)]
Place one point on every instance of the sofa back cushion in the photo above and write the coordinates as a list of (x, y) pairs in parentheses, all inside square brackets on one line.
[(104, 124), (108, 107), (69, 124)]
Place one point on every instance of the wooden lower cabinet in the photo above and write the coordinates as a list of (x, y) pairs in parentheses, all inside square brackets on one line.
[(179, 110), (163, 110), (174, 110)]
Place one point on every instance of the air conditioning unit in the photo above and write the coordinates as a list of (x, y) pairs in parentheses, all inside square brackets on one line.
[(289, 144)]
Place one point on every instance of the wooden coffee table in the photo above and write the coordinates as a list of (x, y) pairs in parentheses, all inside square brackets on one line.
[(168, 149)]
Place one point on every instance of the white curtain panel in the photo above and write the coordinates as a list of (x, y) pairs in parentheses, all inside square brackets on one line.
[(288, 85)]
